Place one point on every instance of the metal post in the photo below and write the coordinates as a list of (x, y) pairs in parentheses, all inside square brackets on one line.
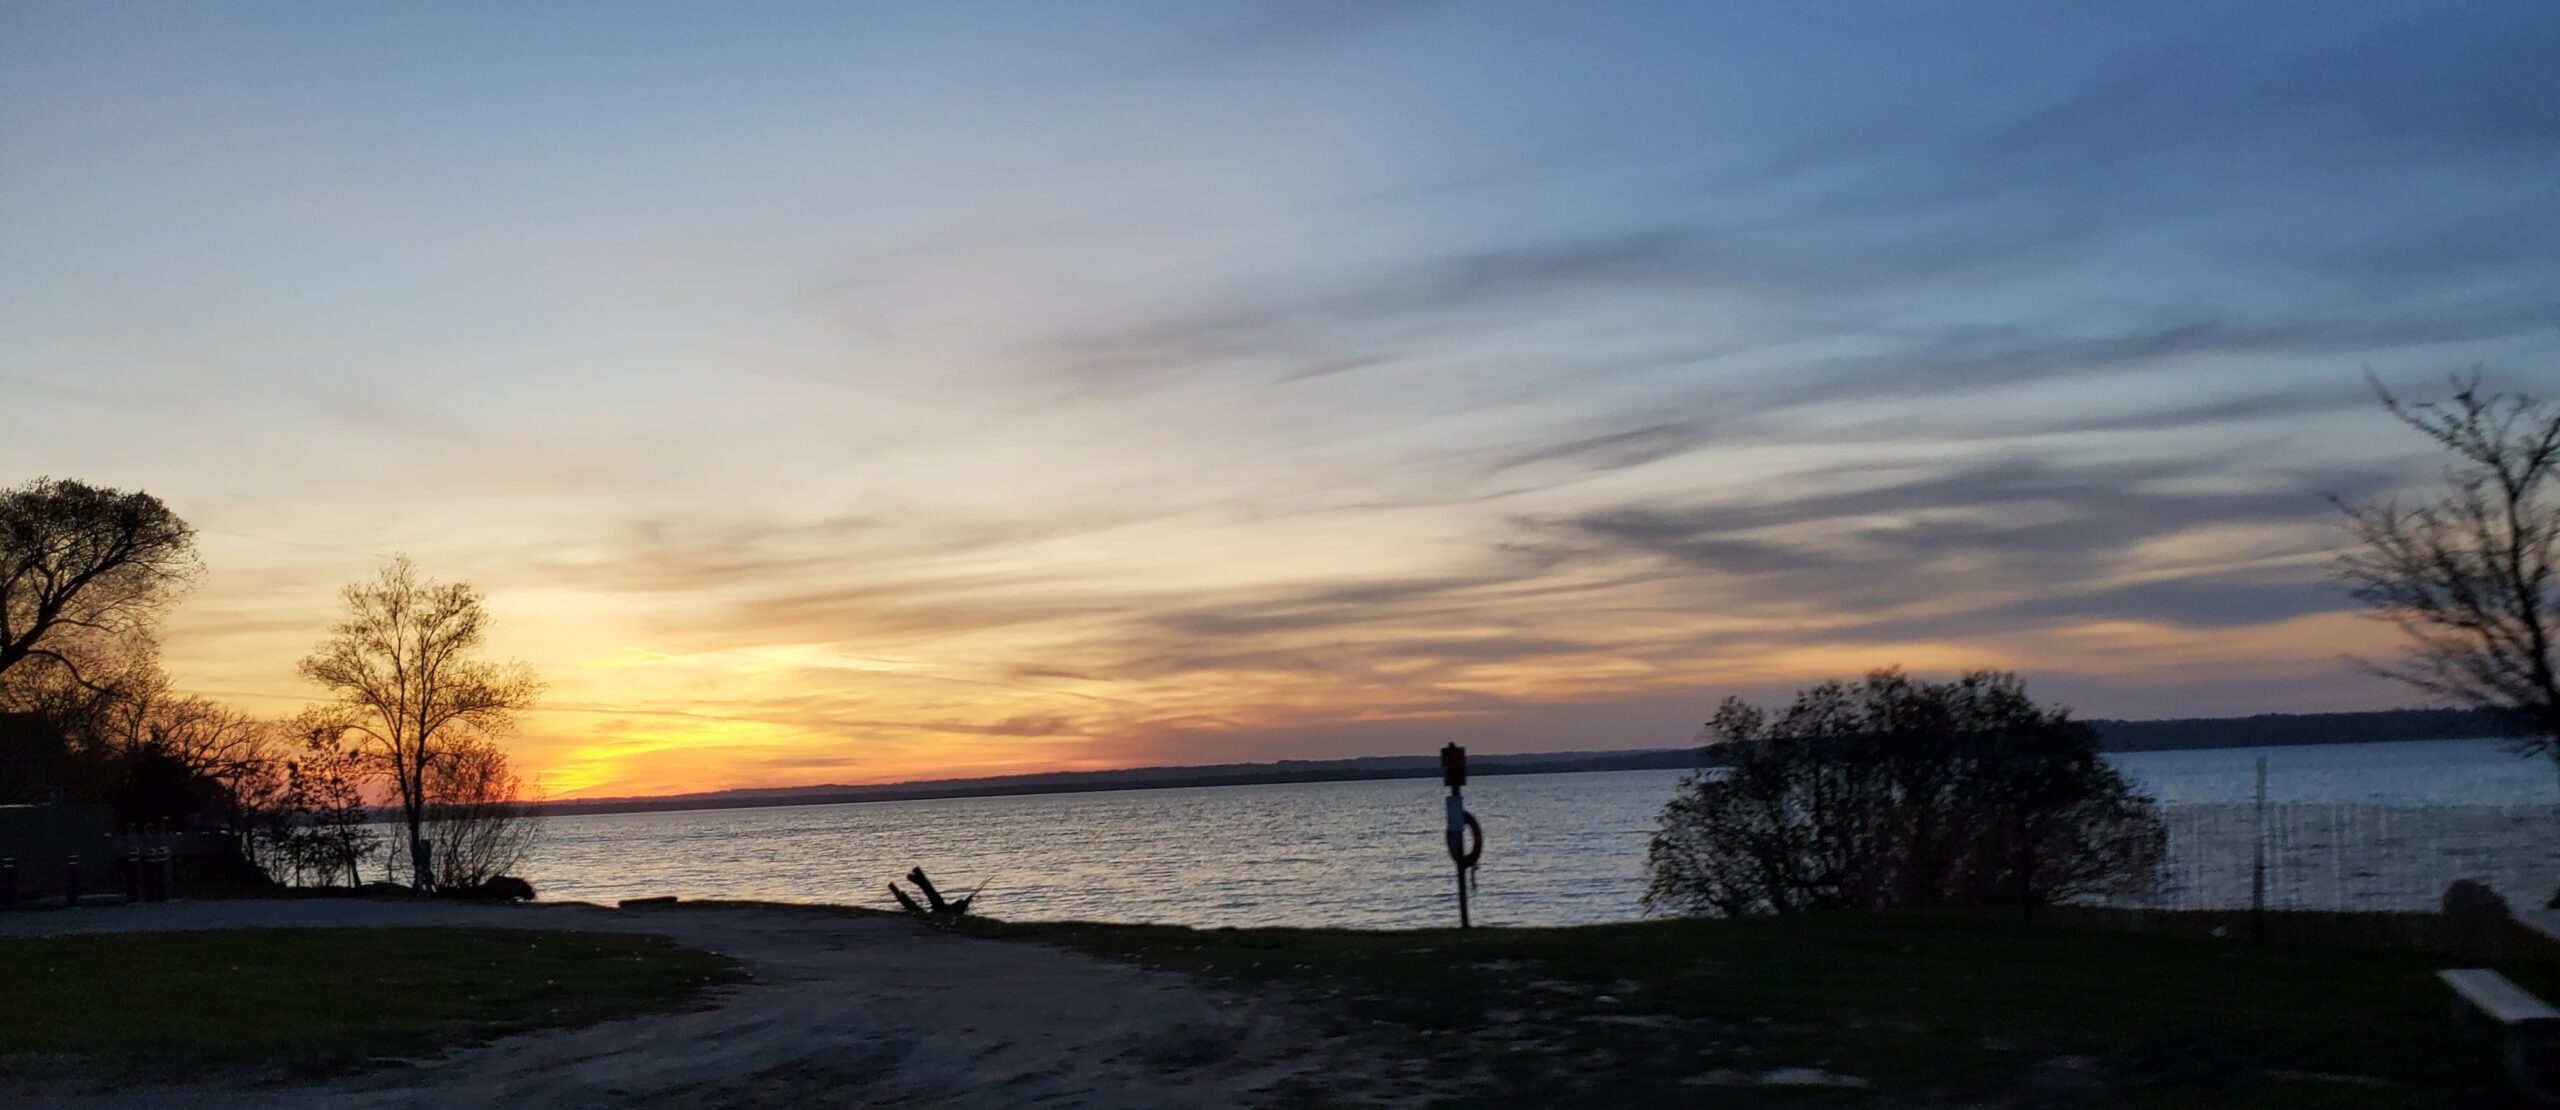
[(133, 891), (71, 881), (2258, 862), (8, 883)]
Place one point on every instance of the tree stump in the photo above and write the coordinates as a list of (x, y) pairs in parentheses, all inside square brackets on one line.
[(935, 909)]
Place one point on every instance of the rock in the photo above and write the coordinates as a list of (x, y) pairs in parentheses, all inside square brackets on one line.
[(507, 887), (2472, 899), (503, 888)]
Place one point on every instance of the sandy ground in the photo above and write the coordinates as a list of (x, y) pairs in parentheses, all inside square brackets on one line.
[(842, 1010)]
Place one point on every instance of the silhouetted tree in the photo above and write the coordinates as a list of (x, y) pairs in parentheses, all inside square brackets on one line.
[(408, 691), (478, 816), (123, 737), (328, 831), (2469, 574), (264, 821), (306, 820), (159, 789), (208, 740), (84, 572), (1897, 793), (36, 760)]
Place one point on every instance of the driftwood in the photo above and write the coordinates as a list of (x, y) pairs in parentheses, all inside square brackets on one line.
[(935, 908)]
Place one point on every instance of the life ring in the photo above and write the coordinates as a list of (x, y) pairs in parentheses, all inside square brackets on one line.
[(1458, 849)]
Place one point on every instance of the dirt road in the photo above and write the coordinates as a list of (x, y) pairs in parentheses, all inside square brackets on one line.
[(842, 1009)]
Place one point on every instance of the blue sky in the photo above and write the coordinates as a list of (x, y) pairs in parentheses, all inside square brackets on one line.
[(845, 392)]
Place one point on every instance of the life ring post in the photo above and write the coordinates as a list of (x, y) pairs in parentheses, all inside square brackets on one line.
[(1453, 772)]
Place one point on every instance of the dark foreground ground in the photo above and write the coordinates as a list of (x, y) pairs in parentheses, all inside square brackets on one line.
[(322, 1000), (743, 1005), (1895, 1011)]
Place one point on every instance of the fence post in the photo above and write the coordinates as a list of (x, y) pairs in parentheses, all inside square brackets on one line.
[(70, 881), (8, 883), (2258, 863)]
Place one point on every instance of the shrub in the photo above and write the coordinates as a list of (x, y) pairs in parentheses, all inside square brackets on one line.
[(477, 815), (1895, 793)]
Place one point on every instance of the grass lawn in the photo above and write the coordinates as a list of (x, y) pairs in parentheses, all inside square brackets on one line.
[(319, 999), (1926, 1011)]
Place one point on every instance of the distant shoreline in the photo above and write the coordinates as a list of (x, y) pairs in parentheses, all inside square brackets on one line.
[(1171, 778), (2179, 734)]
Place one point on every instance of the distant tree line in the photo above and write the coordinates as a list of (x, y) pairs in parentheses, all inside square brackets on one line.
[(1363, 769), (2271, 730), (87, 715)]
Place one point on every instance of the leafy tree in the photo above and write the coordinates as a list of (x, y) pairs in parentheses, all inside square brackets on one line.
[(85, 712), (31, 756), (2469, 574), (1899, 793), (408, 693), (159, 789), (84, 573)]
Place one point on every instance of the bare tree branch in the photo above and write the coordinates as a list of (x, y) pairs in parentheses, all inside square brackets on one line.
[(2469, 575)]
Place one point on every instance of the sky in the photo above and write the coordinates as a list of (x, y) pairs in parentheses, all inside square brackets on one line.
[(865, 392)]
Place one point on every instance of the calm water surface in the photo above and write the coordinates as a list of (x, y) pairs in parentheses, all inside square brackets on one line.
[(1561, 849)]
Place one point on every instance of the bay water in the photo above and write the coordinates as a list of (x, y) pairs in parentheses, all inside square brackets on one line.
[(2353, 826)]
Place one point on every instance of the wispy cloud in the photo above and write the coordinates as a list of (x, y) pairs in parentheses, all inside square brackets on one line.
[(932, 392)]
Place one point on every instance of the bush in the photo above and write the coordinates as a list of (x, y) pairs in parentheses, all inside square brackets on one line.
[(1901, 794), (477, 815)]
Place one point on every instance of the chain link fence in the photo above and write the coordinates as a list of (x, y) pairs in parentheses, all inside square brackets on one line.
[(2352, 856)]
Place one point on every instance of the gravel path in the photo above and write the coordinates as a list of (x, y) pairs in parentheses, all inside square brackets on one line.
[(842, 1009)]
